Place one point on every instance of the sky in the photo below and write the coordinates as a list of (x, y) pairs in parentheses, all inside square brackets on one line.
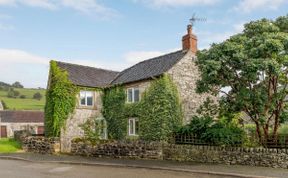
[(112, 34)]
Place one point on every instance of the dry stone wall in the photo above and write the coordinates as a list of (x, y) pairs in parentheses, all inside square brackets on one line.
[(265, 157), (119, 149), (41, 145), (276, 158)]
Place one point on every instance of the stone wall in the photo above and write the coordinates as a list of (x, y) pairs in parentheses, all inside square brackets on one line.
[(185, 75), (118, 149), (80, 116), (265, 157), (41, 145), (276, 158)]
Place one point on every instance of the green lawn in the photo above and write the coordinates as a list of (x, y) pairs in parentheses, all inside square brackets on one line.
[(9, 145), (24, 104)]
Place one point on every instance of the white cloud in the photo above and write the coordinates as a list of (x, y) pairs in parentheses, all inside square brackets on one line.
[(134, 57), (5, 27), (46, 4), (250, 5), (90, 7), (208, 37), (173, 3), (10, 56)]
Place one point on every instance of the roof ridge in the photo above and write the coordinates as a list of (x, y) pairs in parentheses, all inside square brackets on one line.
[(122, 72), (98, 68)]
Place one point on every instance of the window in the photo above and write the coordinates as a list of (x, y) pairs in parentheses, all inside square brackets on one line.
[(133, 95), (133, 126), (86, 98)]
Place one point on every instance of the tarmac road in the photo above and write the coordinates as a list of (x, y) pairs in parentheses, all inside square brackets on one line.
[(21, 169)]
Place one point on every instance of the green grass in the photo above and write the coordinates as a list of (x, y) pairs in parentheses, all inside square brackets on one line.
[(24, 104), (9, 145)]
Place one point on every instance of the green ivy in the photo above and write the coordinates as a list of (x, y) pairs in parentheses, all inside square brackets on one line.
[(113, 112), (60, 100), (159, 111)]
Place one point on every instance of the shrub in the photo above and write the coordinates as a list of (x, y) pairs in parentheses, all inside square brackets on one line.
[(37, 96), (22, 96), (213, 132), (93, 129), (12, 93)]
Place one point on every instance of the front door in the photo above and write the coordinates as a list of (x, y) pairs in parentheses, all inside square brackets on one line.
[(3, 132)]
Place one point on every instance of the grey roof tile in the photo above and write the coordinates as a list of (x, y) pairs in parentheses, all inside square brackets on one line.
[(88, 76), (22, 116), (149, 68)]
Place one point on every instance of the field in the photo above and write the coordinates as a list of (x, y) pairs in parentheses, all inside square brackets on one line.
[(24, 104), (9, 146)]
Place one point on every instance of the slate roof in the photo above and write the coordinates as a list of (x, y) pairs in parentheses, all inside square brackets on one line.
[(22, 116), (149, 68), (88, 76)]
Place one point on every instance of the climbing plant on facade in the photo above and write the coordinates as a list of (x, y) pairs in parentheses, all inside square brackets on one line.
[(160, 110), (60, 100)]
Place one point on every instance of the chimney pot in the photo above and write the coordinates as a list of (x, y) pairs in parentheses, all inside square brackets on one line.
[(189, 41)]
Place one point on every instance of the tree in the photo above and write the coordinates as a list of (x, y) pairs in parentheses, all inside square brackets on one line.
[(253, 67), (17, 85), (37, 96), (12, 93)]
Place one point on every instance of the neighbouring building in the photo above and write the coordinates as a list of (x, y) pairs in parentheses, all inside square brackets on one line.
[(179, 65), (11, 121)]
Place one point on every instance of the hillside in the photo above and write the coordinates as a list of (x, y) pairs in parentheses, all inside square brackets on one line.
[(24, 104)]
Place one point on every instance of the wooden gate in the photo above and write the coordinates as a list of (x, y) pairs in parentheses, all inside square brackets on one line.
[(3, 132)]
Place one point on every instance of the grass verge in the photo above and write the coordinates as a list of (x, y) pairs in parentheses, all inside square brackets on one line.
[(9, 145)]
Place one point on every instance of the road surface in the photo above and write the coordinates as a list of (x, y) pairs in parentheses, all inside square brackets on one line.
[(21, 169)]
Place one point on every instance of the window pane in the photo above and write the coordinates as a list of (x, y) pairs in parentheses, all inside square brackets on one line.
[(131, 126), (82, 98), (136, 127), (89, 101), (136, 95), (129, 95)]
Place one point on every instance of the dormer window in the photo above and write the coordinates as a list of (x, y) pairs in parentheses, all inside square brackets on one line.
[(133, 95), (86, 98)]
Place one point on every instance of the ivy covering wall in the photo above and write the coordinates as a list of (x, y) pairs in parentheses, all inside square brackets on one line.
[(159, 111), (60, 100)]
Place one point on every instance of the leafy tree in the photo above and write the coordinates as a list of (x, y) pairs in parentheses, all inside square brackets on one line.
[(253, 67), (12, 93), (17, 85), (37, 96)]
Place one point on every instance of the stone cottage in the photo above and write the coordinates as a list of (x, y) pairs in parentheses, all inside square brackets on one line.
[(11, 121), (180, 65)]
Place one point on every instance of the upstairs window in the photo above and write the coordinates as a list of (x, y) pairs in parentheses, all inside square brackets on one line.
[(86, 98), (133, 124), (133, 95)]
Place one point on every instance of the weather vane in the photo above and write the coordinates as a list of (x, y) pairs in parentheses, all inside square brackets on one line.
[(194, 19)]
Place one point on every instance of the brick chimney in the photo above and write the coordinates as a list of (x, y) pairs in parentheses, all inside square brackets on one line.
[(189, 41)]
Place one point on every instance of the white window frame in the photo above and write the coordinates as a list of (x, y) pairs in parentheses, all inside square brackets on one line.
[(133, 95), (86, 98), (134, 126)]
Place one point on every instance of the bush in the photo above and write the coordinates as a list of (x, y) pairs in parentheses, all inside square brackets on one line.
[(12, 93), (94, 129), (22, 96), (37, 96), (213, 132)]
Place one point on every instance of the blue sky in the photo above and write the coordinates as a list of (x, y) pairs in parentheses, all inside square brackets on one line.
[(112, 34)]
